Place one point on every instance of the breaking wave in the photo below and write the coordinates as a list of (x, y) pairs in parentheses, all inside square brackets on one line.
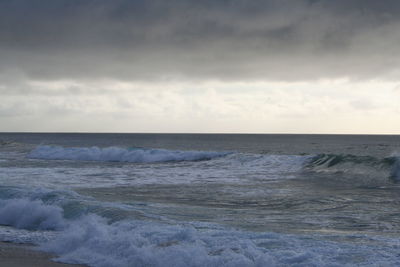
[(328, 163), (93, 240), (30, 215), (356, 164), (116, 154), (100, 242)]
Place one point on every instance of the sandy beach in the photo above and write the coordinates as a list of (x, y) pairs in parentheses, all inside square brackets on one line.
[(21, 255)]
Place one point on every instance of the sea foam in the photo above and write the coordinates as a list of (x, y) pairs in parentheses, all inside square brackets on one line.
[(30, 215), (117, 154), (93, 240)]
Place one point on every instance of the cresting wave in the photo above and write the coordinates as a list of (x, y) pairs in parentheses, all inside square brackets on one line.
[(30, 215), (116, 154), (346, 163), (93, 240), (356, 164)]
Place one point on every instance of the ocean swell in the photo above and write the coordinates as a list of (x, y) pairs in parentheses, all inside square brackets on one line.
[(395, 172), (347, 163), (117, 154)]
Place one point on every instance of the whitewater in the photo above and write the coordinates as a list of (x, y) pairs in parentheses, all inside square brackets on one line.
[(116, 200)]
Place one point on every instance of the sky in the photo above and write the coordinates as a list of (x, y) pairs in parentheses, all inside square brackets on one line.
[(210, 66)]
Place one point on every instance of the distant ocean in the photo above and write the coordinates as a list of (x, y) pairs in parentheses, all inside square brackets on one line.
[(203, 199)]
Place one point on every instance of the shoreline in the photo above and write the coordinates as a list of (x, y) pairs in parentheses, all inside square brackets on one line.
[(24, 255)]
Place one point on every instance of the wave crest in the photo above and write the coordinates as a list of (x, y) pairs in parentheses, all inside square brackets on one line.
[(96, 241), (93, 241), (116, 154), (355, 164), (30, 215)]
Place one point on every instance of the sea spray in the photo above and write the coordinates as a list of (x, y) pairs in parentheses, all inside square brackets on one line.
[(30, 215)]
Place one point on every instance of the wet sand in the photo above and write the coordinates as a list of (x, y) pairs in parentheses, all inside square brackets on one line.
[(21, 255)]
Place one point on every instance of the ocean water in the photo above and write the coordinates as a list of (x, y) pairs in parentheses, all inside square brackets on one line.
[(203, 200)]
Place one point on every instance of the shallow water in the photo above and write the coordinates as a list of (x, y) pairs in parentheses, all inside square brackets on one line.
[(203, 200)]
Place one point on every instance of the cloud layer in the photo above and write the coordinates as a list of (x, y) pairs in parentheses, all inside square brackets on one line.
[(304, 66), (227, 40)]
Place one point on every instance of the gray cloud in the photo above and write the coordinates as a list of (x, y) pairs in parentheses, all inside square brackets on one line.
[(230, 39)]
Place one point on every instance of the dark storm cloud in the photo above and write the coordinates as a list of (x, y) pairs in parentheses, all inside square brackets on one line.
[(226, 39)]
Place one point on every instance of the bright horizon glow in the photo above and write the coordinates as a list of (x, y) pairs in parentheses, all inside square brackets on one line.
[(339, 106)]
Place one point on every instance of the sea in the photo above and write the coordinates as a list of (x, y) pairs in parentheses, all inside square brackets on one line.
[(116, 200)]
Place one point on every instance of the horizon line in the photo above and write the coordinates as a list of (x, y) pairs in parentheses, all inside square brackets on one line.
[(188, 133)]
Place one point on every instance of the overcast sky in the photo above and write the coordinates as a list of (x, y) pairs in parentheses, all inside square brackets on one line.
[(273, 66)]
